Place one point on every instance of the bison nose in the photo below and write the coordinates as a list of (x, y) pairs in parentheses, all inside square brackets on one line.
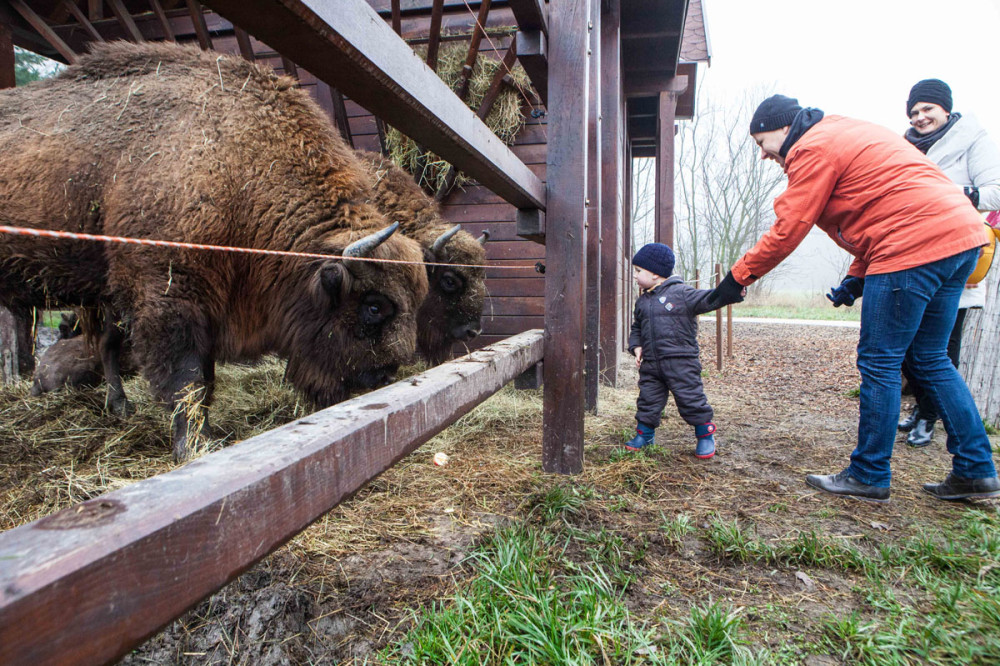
[(466, 332)]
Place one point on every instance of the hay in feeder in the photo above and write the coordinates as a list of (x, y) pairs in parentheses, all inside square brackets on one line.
[(505, 119)]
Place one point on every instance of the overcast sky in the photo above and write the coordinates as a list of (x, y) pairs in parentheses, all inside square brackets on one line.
[(857, 58)]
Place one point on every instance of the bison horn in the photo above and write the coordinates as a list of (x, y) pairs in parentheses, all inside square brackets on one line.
[(366, 245), (443, 239), (485, 237)]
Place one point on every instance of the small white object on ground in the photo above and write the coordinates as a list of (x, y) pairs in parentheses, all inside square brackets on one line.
[(440, 458)]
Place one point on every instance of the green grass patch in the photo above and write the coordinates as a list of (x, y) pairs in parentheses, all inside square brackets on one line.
[(817, 312)]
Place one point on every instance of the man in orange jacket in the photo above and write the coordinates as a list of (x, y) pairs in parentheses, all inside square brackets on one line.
[(915, 238)]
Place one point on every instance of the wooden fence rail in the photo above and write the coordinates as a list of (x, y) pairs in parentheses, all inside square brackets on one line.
[(87, 584)]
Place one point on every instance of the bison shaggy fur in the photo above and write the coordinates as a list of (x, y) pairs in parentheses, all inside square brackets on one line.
[(452, 311), (168, 142)]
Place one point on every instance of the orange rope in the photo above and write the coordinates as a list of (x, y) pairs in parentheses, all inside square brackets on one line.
[(49, 233)]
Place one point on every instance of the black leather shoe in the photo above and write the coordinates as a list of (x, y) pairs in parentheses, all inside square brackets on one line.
[(906, 425), (959, 488), (921, 434), (846, 485)]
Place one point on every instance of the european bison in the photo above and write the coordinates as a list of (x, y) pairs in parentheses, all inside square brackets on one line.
[(169, 142), (72, 360), (452, 311)]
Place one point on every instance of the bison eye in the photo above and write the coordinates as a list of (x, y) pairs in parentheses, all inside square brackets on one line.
[(375, 310), (450, 282)]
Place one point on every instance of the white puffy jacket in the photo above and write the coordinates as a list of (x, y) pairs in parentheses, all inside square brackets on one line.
[(970, 158)]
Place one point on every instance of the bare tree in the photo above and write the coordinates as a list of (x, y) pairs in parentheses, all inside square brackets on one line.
[(725, 191), (643, 201)]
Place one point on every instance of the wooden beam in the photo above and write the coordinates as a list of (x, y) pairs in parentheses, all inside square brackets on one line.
[(89, 583), (592, 337), (531, 53), (434, 34), (161, 16), (462, 87), (530, 14), (45, 30), (642, 85), (530, 224), (244, 44), (339, 111), (200, 27), (289, 67), (565, 279), (81, 18), (664, 206), (397, 21), (347, 45), (95, 9), (496, 85), (7, 59), (125, 20), (612, 190)]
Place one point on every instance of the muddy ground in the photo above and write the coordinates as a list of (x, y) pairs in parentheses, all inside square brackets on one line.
[(785, 406)]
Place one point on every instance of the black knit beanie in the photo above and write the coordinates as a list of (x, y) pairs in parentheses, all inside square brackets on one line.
[(934, 91), (655, 258), (775, 112)]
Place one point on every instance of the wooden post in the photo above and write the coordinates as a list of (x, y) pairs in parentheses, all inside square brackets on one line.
[(200, 27), (566, 193), (664, 227), (718, 322), (434, 34), (697, 279), (8, 347), (611, 192), (592, 345), (729, 331), (7, 78)]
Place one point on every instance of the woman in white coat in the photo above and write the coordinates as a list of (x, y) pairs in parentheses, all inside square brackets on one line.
[(961, 148)]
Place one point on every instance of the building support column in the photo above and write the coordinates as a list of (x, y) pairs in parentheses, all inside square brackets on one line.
[(612, 192), (565, 238), (592, 344)]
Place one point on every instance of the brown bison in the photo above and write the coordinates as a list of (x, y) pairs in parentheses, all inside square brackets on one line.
[(73, 361), (168, 142), (452, 311)]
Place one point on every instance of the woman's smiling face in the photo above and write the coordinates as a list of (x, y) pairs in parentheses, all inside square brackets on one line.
[(926, 117)]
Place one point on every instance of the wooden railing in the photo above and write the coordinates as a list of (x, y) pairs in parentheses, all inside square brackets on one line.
[(87, 584)]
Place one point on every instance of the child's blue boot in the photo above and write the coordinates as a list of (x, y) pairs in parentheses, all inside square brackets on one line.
[(706, 441), (643, 437)]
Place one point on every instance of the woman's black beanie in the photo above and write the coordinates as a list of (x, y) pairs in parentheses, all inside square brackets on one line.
[(934, 91), (775, 112)]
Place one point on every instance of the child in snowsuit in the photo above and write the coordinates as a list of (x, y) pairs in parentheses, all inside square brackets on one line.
[(664, 341)]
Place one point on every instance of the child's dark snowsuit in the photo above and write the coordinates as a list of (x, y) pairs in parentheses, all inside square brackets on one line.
[(665, 325)]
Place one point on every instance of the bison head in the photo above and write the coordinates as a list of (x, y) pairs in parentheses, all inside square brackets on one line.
[(453, 309), (358, 322)]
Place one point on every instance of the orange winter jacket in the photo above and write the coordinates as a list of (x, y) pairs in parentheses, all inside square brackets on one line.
[(874, 194)]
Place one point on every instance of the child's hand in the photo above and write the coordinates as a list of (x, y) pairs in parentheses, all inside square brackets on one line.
[(638, 356)]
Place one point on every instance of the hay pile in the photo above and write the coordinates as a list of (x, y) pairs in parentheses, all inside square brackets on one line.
[(505, 120), (63, 447)]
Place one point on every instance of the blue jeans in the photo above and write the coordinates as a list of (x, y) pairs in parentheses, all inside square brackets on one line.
[(915, 309)]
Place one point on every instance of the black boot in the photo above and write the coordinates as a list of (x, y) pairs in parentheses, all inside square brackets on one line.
[(846, 485), (907, 424), (959, 488), (921, 434)]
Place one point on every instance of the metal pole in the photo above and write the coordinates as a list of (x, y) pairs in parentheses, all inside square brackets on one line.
[(729, 331)]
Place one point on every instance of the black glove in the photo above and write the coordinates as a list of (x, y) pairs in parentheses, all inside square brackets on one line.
[(850, 289), (973, 194), (728, 292)]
